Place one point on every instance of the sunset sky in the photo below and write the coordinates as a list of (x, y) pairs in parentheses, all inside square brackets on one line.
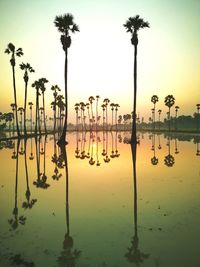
[(101, 54)]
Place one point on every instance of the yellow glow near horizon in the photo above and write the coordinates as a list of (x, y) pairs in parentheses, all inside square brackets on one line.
[(101, 55)]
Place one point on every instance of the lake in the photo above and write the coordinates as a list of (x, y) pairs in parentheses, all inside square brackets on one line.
[(99, 204)]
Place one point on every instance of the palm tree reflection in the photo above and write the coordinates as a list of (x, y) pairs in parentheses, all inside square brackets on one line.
[(154, 159), (41, 181), (56, 175), (68, 255), (134, 255), (197, 141), (93, 143), (16, 220), (169, 159), (29, 203)]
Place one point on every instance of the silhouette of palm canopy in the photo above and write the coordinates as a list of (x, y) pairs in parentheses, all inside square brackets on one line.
[(154, 99), (65, 24), (26, 67), (11, 49), (169, 101), (133, 25)]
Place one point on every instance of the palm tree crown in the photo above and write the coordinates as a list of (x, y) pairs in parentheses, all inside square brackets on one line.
[(65, 24), (11, 49), (169, 101), (133, 24)]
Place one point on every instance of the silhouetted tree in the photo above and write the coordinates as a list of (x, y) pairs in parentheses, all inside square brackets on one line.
[(55, 90), (154, 100), (169, 102), (159, 113), (27, 68), (43, 89), (106, 101), (65, 24), (14, 52), (133, 25), (176, 113)]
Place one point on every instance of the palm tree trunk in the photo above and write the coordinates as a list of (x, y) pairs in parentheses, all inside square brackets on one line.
[(54, 127), (62, 140), (169, 121), (15, 97), (25, 101), (26, 170), (133, 134), (44, 116)]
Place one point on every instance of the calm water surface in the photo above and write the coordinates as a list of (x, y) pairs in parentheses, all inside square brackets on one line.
[(92, 206)]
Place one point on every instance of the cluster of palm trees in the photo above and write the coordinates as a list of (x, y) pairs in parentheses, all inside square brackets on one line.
[(169, 102), (88, 115)]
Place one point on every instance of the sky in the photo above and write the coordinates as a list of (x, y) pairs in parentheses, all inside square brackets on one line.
[(101, 55)]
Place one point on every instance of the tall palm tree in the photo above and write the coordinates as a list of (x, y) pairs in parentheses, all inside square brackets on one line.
[(112, 105), (198, 119), (43, 89), (55, 90), (97, 101), (133, 25), (106, 101), (116, 109), (36, 84), (65, 24), (31, 114), (77, 110), (103, 108), (91, 99), (27, 68), (169, 102), (154, 100), (176, 112), (14, 52), (159, 113)]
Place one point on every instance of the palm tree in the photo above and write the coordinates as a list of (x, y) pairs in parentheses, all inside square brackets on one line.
[(97, 101), (169, 102), (77, 109), (14, 52), (36, 84), (43, 89), (91, 99), (116, 109), (154, 100), (133, 25), (26, 67), (112, 105), (65, 24), (103, 108), (106, 101), (159, 113), (198, 119), (55, 90), (176, 111), (31, 114)]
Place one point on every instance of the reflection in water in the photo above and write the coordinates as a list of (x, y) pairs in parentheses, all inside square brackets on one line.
[(154, 160), (41, 181), (68, 256), (101, 147), (16, 220), (134, 255), (169, 159), (94, 144), (28, 204)]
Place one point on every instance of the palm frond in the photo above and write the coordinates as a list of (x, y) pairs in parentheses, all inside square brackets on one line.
[(7, 51)]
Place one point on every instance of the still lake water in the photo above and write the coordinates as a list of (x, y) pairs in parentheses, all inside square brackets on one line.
[(88, 214)]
